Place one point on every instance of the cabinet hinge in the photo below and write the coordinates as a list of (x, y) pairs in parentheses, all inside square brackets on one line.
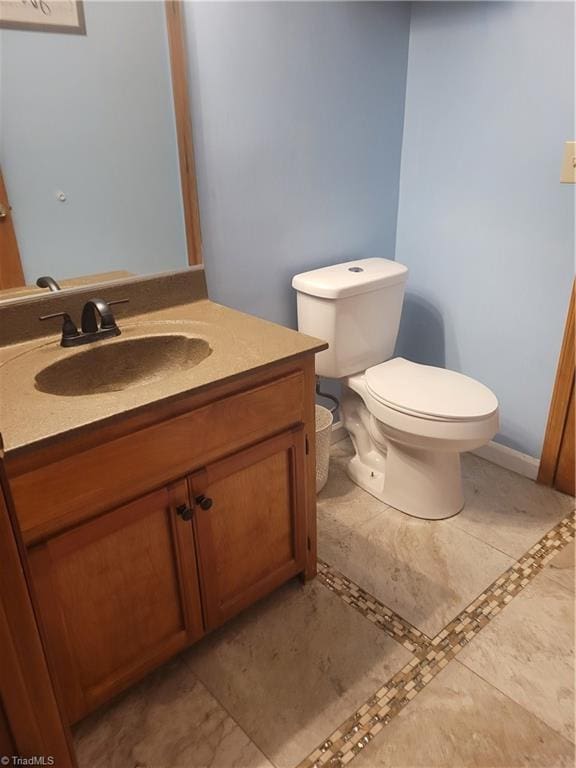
[(307, 446)]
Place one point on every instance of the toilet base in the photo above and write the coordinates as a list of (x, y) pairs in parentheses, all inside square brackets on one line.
[(423, 484)]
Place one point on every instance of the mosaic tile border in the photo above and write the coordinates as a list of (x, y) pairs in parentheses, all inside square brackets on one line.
[(375, 611), (355, 733)]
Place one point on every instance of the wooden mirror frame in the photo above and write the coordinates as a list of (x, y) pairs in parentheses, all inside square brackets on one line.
[(183, 115)]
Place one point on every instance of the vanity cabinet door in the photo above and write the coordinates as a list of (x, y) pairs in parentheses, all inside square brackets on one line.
[(249, 519), (118, 595)]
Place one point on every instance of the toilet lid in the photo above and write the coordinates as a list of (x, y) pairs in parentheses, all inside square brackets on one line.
[(430, 391)]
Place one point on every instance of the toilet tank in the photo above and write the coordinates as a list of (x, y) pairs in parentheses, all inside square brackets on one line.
[(355, 306)]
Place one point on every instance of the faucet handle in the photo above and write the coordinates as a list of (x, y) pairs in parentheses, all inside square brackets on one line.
[(108, 320), (69, 329)]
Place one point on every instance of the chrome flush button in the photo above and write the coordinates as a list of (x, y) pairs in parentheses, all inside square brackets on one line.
[(355, 269)]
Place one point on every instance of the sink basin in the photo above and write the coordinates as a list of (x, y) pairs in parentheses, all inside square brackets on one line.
[(113, 366)]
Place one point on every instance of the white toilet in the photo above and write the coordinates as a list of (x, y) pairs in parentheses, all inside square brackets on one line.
[(409, 422)]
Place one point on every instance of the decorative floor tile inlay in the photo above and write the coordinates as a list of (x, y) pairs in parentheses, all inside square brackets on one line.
[(375, 611), (467, 624), (430, 656)]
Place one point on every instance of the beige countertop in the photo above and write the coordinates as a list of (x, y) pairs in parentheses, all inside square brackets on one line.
[(240, 344)]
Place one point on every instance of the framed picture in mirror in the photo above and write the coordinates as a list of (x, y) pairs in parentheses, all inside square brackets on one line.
[(43, 15)]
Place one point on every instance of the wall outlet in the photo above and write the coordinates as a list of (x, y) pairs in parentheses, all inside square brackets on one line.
[(568, 173)]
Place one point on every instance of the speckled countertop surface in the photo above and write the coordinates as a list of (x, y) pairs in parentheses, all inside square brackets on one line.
[(240, 344)]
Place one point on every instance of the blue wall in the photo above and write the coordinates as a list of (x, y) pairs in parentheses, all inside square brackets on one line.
[(484, 225), (92, 116), (297, 112)]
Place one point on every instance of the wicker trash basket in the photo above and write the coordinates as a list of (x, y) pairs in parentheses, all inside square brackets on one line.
[(324, 421)]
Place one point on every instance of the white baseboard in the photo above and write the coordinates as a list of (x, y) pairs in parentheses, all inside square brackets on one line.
[(509, 458), (498, 454)]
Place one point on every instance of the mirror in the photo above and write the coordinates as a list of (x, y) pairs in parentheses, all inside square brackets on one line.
[(88, 147)]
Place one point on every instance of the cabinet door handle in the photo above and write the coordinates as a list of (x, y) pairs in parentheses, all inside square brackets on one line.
[(204, 501), (184, 511)]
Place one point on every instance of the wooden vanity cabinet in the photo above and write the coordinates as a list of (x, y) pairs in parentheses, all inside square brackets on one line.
[(118, 595), (123, 592), (187, 521)]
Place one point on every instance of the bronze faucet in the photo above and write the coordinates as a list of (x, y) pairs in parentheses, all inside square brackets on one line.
[(97, 323)]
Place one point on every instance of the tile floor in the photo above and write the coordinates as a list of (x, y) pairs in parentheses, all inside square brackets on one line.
[(360, 664)]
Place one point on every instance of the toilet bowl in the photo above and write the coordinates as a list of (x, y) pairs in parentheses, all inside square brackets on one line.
[(408, 422)]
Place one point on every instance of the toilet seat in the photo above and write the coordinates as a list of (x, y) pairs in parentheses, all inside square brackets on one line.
[(421, 430), (428, 392)]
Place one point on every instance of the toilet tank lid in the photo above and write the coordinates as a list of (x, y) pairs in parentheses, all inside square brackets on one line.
[(350, 278)]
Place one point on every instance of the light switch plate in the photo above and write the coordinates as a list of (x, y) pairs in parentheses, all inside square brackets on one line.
[(568, 174)]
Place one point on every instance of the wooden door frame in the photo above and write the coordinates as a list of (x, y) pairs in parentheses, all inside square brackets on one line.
[(11, 273), (183, 116), (563, 388), (29, 700)]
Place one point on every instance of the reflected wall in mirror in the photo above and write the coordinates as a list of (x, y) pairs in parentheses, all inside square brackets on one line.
[(88, 145)]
